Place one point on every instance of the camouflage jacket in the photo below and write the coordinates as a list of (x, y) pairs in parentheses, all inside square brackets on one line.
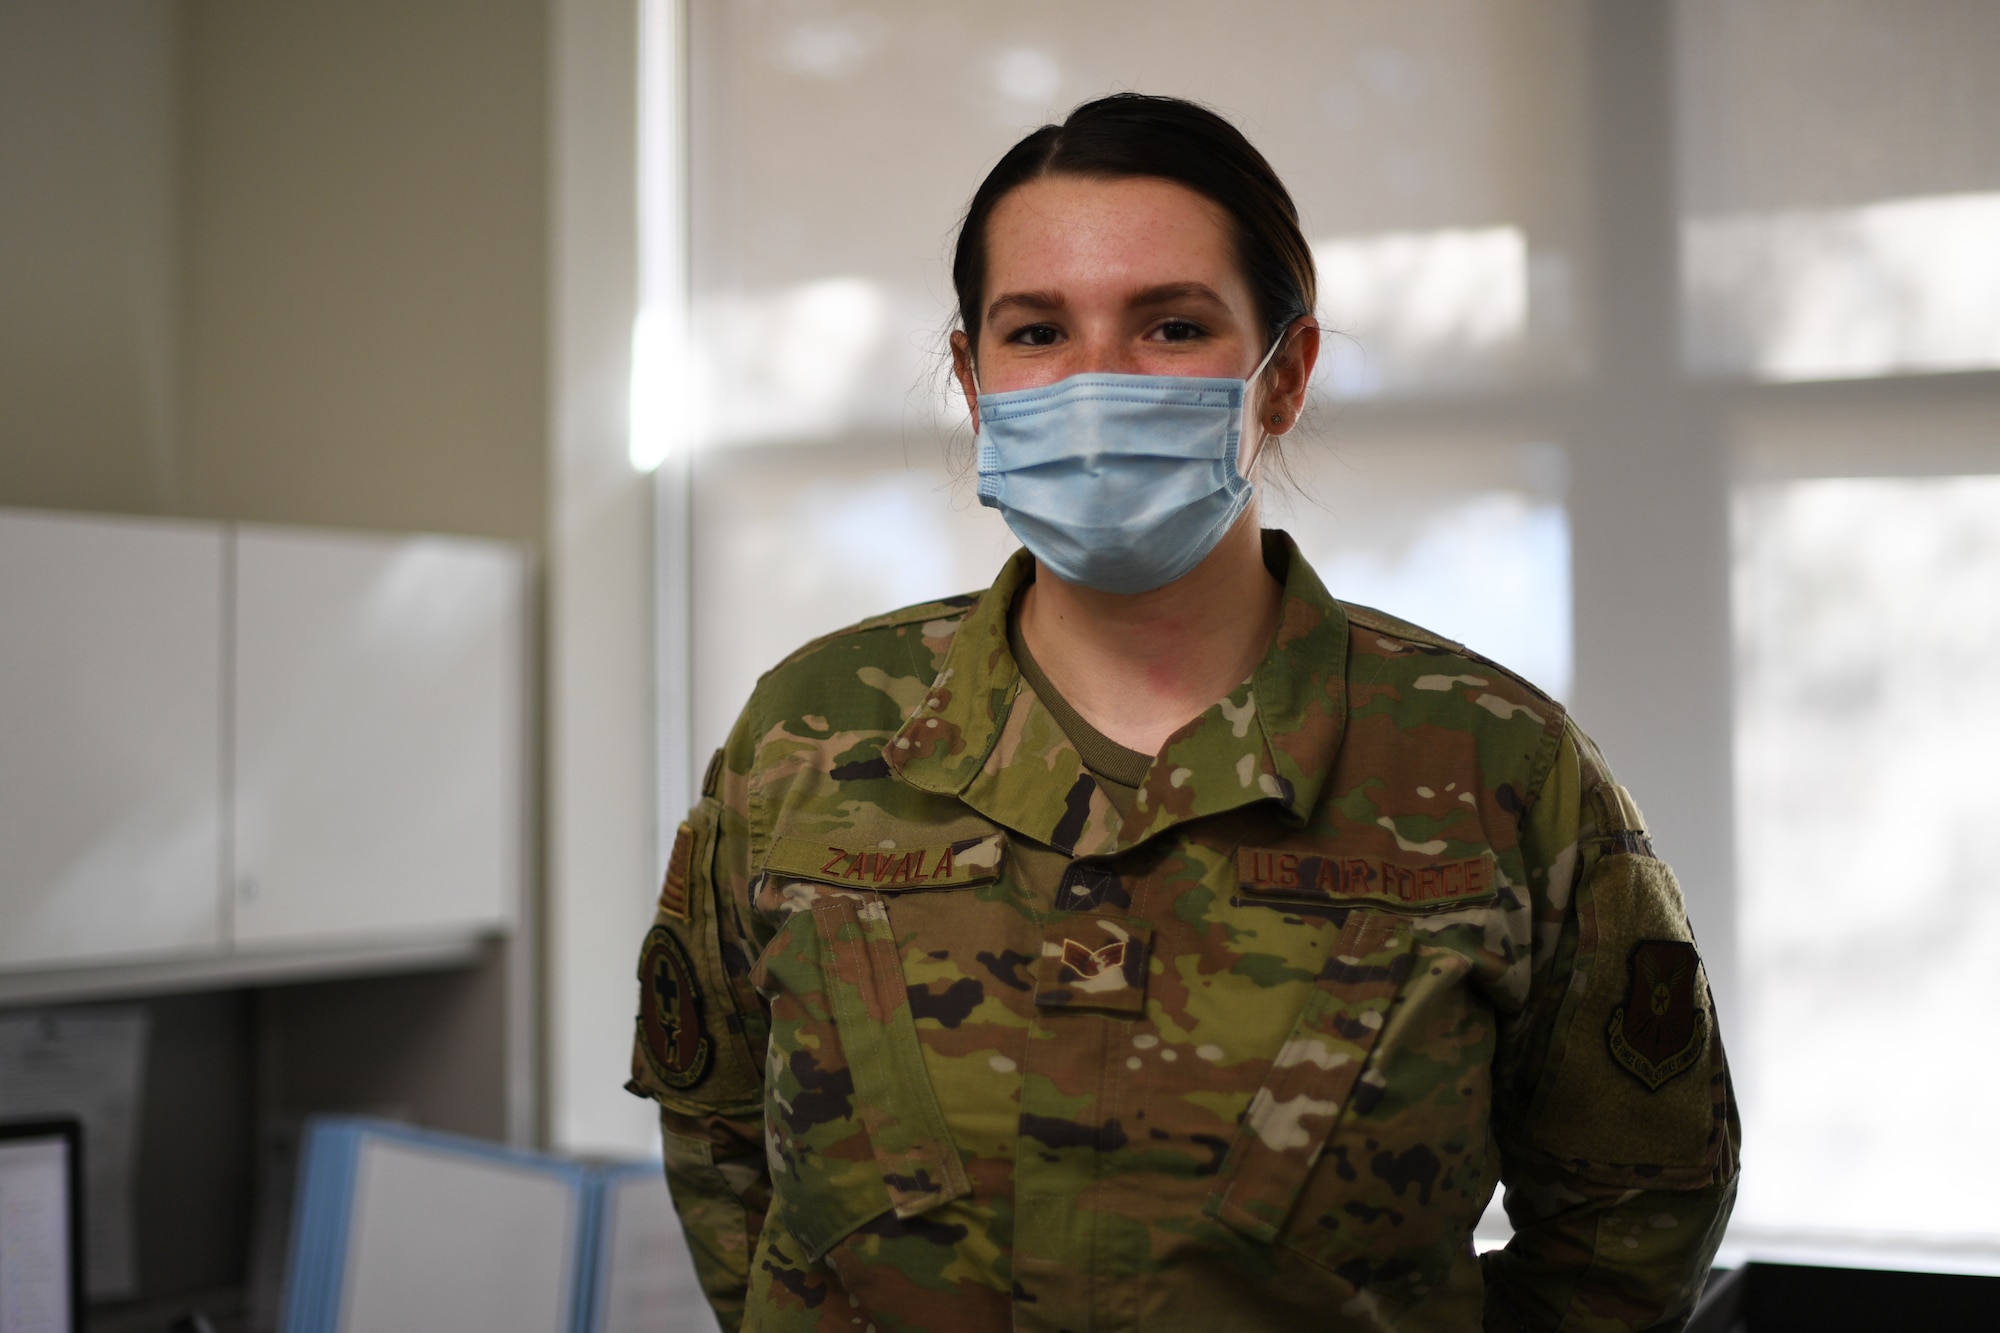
[(941, 1042)]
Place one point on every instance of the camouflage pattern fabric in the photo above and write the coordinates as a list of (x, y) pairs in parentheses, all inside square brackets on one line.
[(941, 1041)]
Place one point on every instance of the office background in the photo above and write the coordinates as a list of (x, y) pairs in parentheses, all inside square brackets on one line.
[(1666, 368)]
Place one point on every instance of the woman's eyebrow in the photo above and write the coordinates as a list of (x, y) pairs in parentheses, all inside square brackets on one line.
[(1024, 300), (1168, 293), (1165, 294)]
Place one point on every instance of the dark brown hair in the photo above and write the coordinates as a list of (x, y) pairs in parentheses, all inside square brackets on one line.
[(1132, 134)]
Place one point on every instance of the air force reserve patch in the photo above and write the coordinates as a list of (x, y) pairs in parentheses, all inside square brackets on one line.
[(1658, 1032), (670, 1004)]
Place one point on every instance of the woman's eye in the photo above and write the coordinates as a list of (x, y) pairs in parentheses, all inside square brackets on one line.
[(1179, 331), (1034, 335)]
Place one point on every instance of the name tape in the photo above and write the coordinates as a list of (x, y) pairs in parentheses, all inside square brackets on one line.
[(954, 863)]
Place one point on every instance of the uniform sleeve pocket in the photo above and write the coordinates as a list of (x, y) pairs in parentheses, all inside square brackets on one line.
[(853, 1127), (690, 1051), (1317, 1075), (1634, 1089)]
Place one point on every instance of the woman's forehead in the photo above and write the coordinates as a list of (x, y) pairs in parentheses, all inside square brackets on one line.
[(1127, 233)]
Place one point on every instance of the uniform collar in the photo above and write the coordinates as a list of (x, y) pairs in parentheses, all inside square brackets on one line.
[(981, 734)]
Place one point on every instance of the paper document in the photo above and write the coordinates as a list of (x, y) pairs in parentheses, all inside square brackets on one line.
[(91, 1064), (447, 1244), (647, 1278), (34, 1236)]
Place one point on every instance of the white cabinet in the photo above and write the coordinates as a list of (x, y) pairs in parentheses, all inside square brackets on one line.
[(111, 726), (378, 733), (220, 745)]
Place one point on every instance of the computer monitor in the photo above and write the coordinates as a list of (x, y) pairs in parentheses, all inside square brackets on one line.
[(41, 1226)]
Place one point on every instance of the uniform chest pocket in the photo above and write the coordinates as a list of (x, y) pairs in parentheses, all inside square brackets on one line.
[(1315, 1079), (852, 1126)]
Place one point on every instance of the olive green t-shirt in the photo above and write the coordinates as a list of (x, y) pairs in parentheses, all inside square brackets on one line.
[(1119, 770)]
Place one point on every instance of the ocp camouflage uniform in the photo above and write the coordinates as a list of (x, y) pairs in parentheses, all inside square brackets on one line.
[(942, 1041)]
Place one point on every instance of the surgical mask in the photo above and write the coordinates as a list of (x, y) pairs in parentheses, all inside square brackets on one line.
[(1118, 482)]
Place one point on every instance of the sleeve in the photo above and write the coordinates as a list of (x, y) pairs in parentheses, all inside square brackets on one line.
[(1615, 1116), (701, 1030)]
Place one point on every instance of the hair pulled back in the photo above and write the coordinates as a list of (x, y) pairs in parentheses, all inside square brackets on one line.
[(1133, 134)]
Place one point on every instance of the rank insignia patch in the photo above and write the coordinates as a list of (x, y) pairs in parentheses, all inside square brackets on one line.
[(1083, 965), (670, 1033), (1093, 962), (1658, 1032)]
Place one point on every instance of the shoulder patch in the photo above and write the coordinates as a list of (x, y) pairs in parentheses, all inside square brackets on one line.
[(1659, 1031), (670, 1004)]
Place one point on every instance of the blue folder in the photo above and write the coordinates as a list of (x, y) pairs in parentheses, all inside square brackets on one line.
[(396, 1229)]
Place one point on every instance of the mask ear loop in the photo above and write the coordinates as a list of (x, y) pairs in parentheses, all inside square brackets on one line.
[(972, 369), (1249, 415)]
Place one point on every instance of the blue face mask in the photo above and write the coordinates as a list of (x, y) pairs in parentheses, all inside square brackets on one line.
[(1118, 482)]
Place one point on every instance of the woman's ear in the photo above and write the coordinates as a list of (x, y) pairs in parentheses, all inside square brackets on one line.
[(961, 366), (1290, 376)]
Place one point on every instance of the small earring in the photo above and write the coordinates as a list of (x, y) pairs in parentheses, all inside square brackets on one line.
[(1277, 418)]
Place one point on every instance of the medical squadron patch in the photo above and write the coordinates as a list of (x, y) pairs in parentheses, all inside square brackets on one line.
[(670, 1031), (1658, 1031)]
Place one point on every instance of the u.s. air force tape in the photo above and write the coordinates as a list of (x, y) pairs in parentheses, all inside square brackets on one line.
[(670, 1005)]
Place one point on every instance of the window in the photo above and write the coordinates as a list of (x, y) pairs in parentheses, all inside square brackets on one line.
[(1838, 177), (1868, 670), (1468, 537), (1663, 363), (834, 147)]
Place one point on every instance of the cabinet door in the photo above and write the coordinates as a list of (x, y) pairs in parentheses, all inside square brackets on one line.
[(378, 736), (111, 639)]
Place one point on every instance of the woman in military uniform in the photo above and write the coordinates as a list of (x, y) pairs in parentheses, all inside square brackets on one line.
[(1152, 940)]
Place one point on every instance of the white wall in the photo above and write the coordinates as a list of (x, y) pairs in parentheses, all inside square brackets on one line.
[(287, 263), (89, 255)]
